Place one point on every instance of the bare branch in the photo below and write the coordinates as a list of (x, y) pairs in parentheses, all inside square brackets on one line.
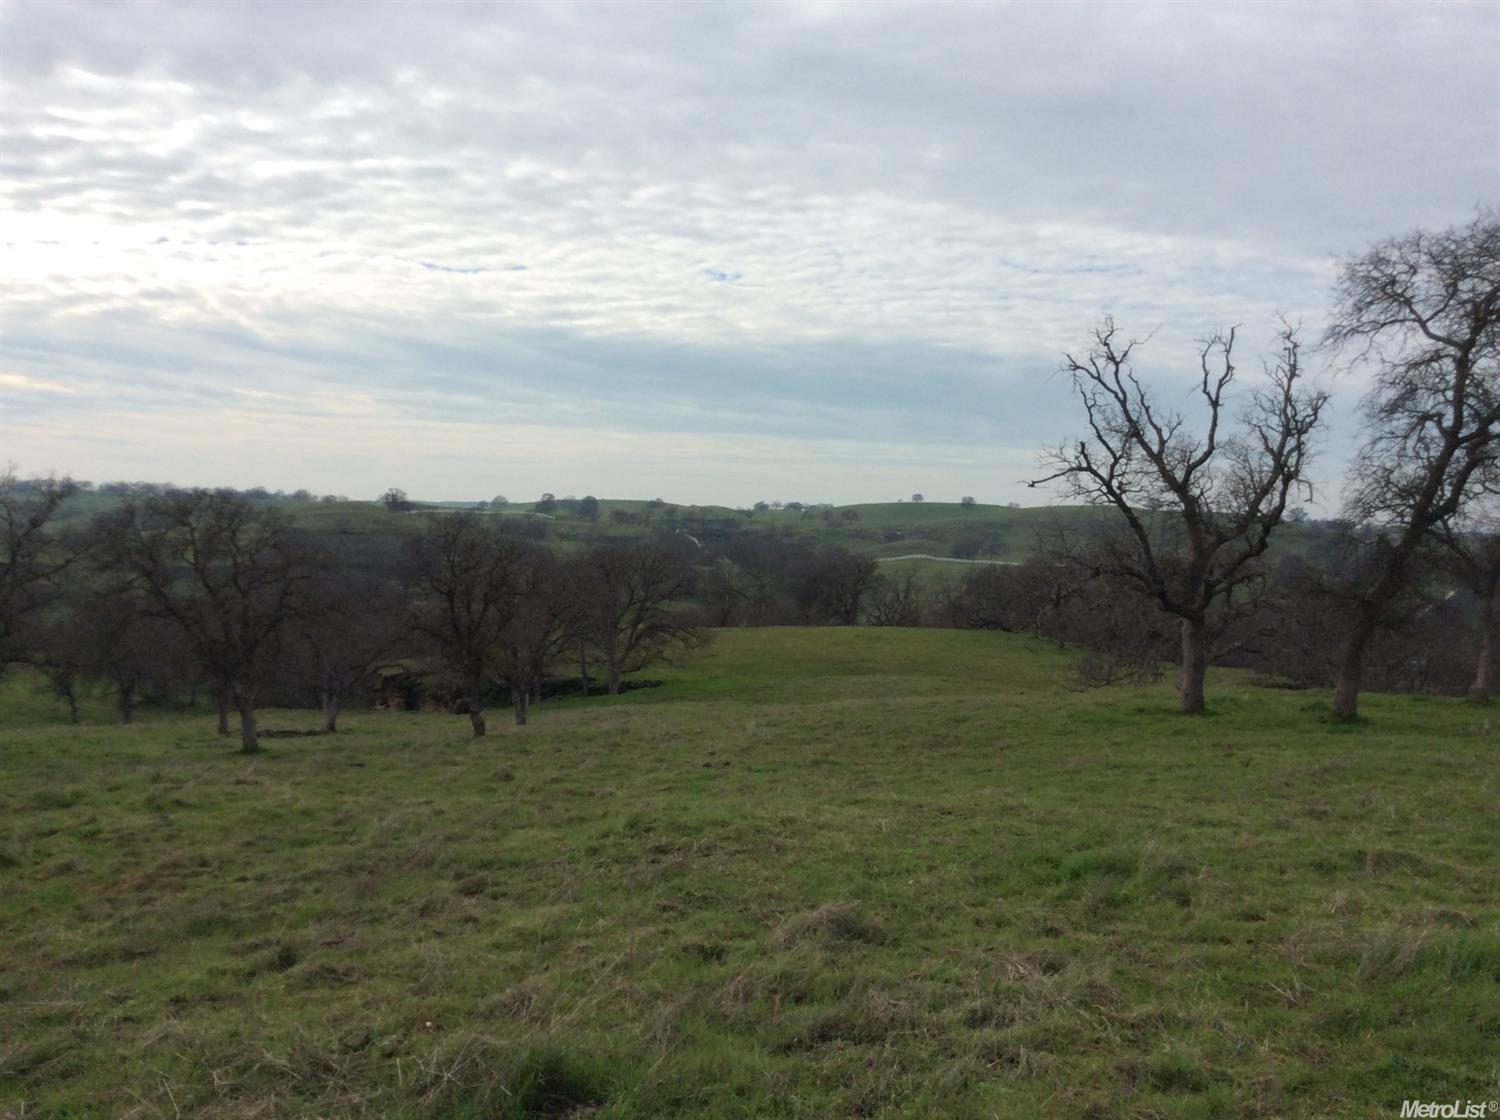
[(1197, 513)]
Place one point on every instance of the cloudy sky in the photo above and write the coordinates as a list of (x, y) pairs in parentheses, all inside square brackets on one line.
[(712, 252)]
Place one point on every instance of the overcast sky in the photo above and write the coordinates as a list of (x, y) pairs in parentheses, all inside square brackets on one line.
[(713, 252)]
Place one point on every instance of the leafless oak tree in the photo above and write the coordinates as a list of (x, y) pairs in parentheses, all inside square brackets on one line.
[(895, 600), (1198, 510), (1472, 545), (230, 574), (32, 557), (833, 587), (347, 634), (627, 607), (469, 582), (1421, 313), (545, 632)]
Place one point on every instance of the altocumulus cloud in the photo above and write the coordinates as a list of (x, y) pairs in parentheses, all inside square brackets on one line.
[(712, 252)]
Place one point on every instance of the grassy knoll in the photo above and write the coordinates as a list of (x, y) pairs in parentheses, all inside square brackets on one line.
[(815, 874)]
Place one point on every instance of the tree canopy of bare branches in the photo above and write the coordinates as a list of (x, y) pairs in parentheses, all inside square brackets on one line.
[(627, 596), (32, 557), (1471, 541), (834, 586), (895, 600), (470, 582), (1198, 510), (1421, 314), (349, 630), (230, 574), (543, 633)]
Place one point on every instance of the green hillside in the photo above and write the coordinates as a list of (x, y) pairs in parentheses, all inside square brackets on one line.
[(883, 530), (814, 873)]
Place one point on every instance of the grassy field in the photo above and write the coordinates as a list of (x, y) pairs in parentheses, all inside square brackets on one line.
[(831, 873)]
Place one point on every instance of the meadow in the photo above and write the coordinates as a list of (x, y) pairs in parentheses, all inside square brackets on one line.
[(813, 873)]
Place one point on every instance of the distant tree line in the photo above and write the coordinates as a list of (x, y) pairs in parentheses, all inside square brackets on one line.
[(144, 489), (177, 595), (1291, 631)]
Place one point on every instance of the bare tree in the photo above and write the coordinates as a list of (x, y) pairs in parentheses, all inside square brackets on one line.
[(131, 650), (231, 575), (1198, 510), (344, 637), (834, 585), (895, 600), (762, 565), (469, 580), (546, 630), (97, 630), (60, 652), (33, 558), (726, 595), (1011, 597), (628, 596), (1421, 313), (1472, 545)]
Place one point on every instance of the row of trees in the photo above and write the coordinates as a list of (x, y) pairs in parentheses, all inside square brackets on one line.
[(504, 610), (1287, 619), (475, 611), (141, 489), (204, 590), (1419, 315), (1290, 627)]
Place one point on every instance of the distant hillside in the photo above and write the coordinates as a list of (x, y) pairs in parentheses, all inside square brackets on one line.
[(890, 531), (884, 530), (881, 530)]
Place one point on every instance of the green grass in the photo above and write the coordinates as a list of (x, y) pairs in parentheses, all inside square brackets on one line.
[(814, 874)]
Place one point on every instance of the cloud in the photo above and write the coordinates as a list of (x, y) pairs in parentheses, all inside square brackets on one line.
[(923, 205)]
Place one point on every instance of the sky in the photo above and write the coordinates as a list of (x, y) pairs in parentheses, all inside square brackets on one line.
[(714, 253)]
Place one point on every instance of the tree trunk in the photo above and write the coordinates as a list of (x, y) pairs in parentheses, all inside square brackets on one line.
[(72, 701), (1193, 669), (520, 699), (1351, 669), (249, 735), (477, 706), (125, 703), (330, 711), (1486, 671), (613, 680), (583, 668), (536, 691), (221, 700)]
